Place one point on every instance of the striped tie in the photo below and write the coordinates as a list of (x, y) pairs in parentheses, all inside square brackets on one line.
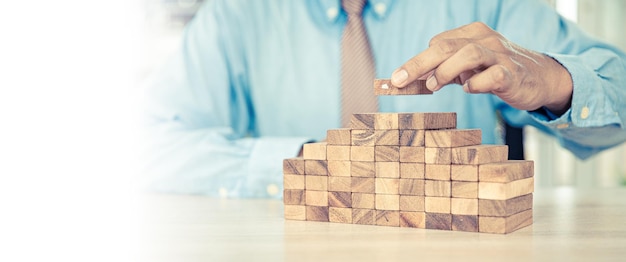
[(357, 65)]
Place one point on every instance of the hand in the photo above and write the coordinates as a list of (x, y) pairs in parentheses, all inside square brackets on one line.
[(483, 61)]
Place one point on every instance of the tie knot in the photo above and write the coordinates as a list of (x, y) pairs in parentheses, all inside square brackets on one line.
[(353, 7)]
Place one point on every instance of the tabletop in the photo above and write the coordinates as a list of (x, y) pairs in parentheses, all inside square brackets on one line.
[(569, 225)]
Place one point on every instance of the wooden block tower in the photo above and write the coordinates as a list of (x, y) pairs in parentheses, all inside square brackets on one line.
[(409, 170)]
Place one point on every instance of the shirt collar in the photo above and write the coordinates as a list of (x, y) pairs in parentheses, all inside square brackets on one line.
[(331, 8)]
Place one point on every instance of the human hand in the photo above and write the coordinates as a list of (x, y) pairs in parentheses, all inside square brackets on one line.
[(483, 61)]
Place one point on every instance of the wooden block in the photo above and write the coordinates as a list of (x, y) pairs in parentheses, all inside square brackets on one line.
[(413, 219), (317, 183), (314, 151), (480, 154), (293, 181), (437, 204), (464, 206), (386, 121), (452, 137), (464, 189), (390, 137), (426, 121), (362, 169), (464, 173), (411, 137), (362, 153), (412, 203), (295, 212), (505, 208), (293, 166), (387, 153), (505, 225), (437, 172), (362, 121), (388, 169), (437, 155), (339, 199), (338, 152), (293, 197), (363, 200), (387, 202), (339, 168), (387, 186), (363, 185), (316, 198), (411, 187), (340, 215), (503, 191), (339, 137), (388, 218), (339, 183), (363, 216), (438, 221), (317, 213), (412, 154), (467, 223), (383, 87), (412, 170), (437, 188), (363, 137), (316, 167), (505, 171)]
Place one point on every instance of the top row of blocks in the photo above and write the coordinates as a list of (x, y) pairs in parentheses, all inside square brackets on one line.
[(403, 121)]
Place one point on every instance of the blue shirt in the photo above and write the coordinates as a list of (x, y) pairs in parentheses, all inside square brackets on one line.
[(254, 80)]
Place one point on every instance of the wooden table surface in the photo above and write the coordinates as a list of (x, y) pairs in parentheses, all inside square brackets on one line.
[(569, 225)]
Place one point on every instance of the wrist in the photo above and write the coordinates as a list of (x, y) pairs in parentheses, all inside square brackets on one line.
[(560, 97)]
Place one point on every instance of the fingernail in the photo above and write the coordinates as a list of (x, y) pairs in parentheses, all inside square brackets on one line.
[(466, 87), (431, 83), (399, 77)]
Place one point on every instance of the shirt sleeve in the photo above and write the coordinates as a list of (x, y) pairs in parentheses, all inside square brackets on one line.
[(199, 135)]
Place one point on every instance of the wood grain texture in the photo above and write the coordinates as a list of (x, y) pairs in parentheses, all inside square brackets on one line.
[(437, 188), (411, 137), (505, 208), (363, 216), (387, 202), (437, 155), (339, 183), (389, 137), (412, 170), (411, 187), (340, 215), (412, 203), (388, 218), (295, 212), (462, 189), (363, 185), (362, 153), (338, 152), (363, 200), (339, 199), (317, 183), (464, 206), (437, 204), (383, 87), (464, 173), (412, 154), (339, 137), (507, 171), (387, 185), (412, 219), (505, 225), (387, 153), (452, 137), (503, 191), (438, 221), (386, 121), (293, 181), (480, 154), (316, 198), (426, 121), (363, 137), (362, 169), (362, 121), (437, 172), (467, 223), (316, 167), (317, 213), (388, 169), (294, 166), (314, 151), (293, 197), (339, 168)]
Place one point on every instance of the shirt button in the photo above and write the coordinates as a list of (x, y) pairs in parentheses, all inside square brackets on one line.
[(223, 192), (380, 8), (584, 113), (272, 189), (332, 12), (561, 126)]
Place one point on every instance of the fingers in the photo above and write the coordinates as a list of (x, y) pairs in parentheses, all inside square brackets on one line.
[(471, 58), (494, 79)]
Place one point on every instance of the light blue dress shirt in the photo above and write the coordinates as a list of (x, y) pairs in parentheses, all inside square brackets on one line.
[(254, 80)]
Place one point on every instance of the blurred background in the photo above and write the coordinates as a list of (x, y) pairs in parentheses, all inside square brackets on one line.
[(164, 21)]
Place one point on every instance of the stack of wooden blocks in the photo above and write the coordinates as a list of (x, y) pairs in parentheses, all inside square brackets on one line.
[(409, 170)]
